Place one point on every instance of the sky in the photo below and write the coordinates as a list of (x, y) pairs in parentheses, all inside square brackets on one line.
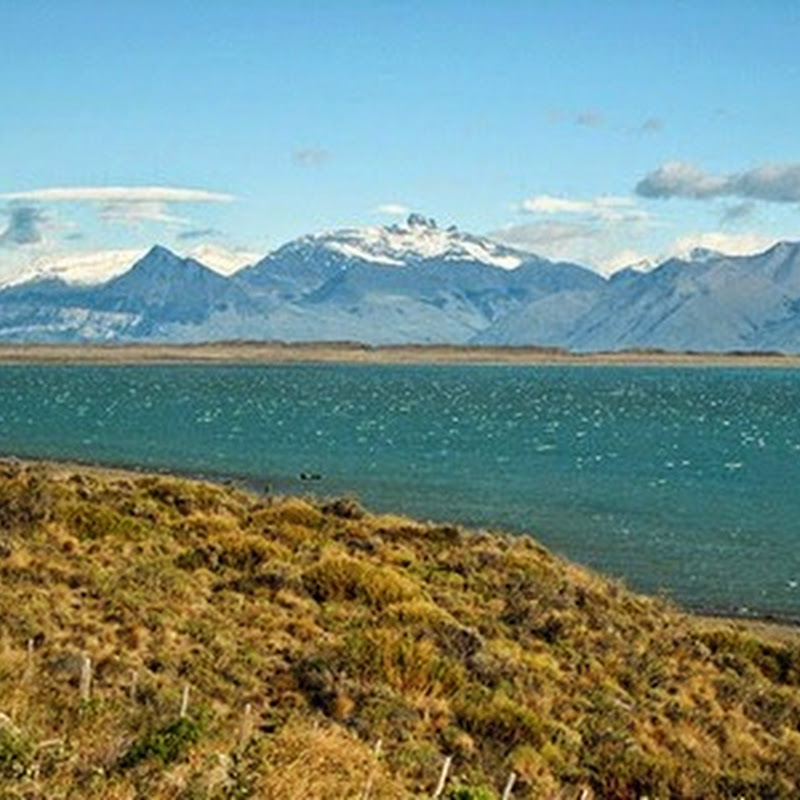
[(601, 133)]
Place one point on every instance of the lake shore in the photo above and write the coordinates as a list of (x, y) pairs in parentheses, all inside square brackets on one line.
[(354, 353), (771, 628)]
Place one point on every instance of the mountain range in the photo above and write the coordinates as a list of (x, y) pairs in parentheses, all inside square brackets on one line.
[(414, 283)]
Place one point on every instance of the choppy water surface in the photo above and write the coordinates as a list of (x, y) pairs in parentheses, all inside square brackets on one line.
[(680, 480)]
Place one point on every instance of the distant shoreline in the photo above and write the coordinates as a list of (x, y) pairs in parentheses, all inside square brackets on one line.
[(354, 353)]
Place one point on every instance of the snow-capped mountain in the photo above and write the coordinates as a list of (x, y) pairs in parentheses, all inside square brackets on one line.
[(162, 287), (712, 302), (395, 284), (160, 291), (418, 240), (413, 283), (716, 303)]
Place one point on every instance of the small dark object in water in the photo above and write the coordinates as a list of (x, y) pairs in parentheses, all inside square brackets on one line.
[(310, 476)]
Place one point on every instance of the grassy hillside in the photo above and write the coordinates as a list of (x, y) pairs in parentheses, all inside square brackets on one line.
[(296, 635)]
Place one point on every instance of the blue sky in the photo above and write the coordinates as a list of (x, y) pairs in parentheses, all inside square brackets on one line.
[(596, 132)]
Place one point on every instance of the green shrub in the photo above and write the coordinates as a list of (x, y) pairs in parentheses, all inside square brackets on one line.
[(167, 743), (16, 753), (460, 792), (345, 578)]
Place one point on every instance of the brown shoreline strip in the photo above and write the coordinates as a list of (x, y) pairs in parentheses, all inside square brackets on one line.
[(354, 353)]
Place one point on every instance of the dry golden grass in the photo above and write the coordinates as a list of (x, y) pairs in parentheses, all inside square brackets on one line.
[(306, 631)]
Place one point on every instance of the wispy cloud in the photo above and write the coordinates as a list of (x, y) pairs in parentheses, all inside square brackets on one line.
[(604, 231), (738, 211), (393, 209), (119, 194), (311, 156), (130, 212), (126, 204), (543, 234), (197, 233), (772, 183), (605, 207), (604, 247), (733, 244), (24, 226)]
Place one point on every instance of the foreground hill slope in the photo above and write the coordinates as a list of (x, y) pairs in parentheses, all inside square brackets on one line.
[(246, 646)]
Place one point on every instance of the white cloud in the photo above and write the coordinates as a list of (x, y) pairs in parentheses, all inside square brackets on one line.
[(221, 259), (126, 204), (607, 208), (594, 245), (615, 260), (732, 244), (130, 212), (543, 234), (605, 232), (119, 194), (393, 209)]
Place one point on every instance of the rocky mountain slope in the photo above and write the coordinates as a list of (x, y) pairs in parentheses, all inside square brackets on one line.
[(711, 302), (416, 283), (403, 283)]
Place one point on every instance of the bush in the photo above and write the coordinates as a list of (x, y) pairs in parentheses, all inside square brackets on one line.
[(26, 500), (471, 793), (16, 753), (345, 578), (167, 743)]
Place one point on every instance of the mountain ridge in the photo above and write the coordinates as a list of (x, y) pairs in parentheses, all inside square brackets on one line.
[(417, 283)]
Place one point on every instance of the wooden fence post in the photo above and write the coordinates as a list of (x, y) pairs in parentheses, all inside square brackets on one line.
[(85, 686), (185, 701), (443, 777), (246, 731)]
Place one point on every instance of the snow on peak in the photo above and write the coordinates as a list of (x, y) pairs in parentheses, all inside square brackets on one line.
[(221, 259), (79, 269), (98, 266), (417, 240)]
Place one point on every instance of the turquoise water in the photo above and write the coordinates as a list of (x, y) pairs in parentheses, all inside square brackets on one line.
[(681, 481)]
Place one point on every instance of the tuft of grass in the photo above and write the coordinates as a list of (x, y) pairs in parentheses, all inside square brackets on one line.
[(342, 577)]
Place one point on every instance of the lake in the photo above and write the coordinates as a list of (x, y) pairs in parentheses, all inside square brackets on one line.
[(682, 481)]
